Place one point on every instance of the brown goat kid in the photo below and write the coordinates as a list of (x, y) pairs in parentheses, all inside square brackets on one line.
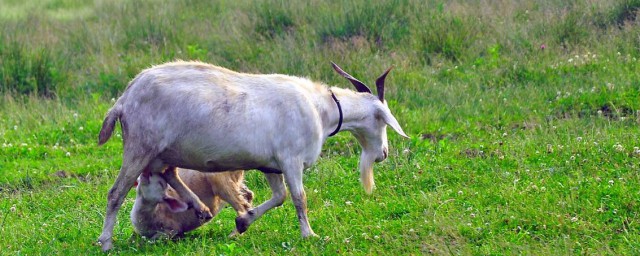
[(158, 211)]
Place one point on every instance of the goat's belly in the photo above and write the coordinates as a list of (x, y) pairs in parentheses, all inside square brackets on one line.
[(210, 162)]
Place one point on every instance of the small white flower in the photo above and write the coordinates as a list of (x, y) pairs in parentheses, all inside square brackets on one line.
[(75, 115), (460, 192), (579, 139), (13, 208), (618, 147), (574, 219), (81, 128), (348, 202), (68, 154), (611, 182), (113, 99)]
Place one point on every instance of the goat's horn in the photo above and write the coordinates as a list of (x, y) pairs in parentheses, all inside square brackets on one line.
[(360, 86), (380, 84)]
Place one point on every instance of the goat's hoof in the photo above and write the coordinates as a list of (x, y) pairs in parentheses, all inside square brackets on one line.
[(310, 235), (106, 245), (234, 233), (204, 215), (242, 224)]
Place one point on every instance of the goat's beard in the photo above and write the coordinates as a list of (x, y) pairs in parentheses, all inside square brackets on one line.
[(366, 171)]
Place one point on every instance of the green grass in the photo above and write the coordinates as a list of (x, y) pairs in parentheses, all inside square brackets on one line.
[(523, 119)]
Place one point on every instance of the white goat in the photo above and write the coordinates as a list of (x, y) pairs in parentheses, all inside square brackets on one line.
[(159, 211), (208, 118)]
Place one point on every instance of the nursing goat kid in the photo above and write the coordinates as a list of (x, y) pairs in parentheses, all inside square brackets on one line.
[(207, 118), (158, 210)]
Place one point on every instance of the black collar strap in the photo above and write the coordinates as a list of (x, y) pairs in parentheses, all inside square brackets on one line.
[(340, 110)]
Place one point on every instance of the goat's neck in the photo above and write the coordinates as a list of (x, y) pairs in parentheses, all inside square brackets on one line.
[(354, 109)]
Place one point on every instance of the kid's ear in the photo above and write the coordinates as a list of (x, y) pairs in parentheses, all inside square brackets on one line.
[(175, 205)]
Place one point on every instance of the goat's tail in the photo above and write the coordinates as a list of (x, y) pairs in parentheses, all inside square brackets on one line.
[(108, 124)]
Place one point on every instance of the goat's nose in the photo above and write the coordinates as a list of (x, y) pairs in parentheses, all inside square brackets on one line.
[(385, 153)]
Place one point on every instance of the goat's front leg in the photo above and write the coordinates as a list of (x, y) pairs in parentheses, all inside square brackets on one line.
[(278, 195), (294, 181), (171, 176)]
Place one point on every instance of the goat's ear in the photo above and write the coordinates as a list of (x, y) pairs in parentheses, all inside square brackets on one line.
[(175, 205), (390, 120)]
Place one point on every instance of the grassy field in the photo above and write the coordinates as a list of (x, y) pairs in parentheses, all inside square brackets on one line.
[(523, 117)]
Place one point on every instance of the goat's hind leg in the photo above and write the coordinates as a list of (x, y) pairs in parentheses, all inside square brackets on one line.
[(171, 176), (278, 195), (131, 168)]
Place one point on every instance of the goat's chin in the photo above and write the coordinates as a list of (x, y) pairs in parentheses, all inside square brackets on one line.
[(366, 172)]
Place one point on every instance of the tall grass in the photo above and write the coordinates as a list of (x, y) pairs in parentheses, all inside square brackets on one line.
[(523, 117)]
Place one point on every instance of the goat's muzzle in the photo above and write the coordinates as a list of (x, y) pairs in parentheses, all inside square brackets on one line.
[(385, 154)]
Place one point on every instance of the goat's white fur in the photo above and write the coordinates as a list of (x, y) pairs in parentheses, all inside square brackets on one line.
[(158, 210), (203, 117)]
